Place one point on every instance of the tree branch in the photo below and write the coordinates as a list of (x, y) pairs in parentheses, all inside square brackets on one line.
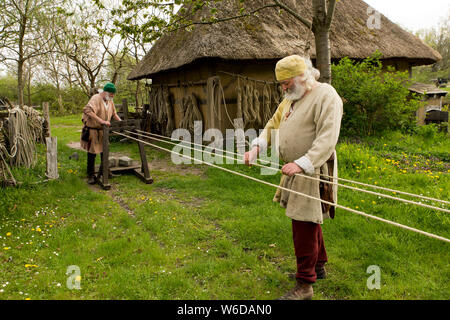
[(223, 19), (330, 13), (293, 13)]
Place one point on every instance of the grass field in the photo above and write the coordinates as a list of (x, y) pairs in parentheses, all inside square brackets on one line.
[(201, 233)]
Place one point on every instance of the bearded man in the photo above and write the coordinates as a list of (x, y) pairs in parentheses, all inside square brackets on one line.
[(98, 111), (308, 120)]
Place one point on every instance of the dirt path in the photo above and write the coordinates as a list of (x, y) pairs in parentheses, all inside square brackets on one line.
[(156, 164)]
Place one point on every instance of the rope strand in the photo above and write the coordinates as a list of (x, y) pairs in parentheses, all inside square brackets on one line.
[(316, 179), (296, 192)]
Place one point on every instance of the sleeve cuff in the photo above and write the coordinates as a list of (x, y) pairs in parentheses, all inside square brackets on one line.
[(306, 165), (261, 142)]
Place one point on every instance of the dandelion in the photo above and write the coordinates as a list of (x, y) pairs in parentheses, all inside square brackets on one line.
[(9, 234), (6, 248)]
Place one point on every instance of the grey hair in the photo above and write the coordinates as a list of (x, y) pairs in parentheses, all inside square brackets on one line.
[(311, 74)]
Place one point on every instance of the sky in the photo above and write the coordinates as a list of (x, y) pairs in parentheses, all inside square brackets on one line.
[(413, 14)]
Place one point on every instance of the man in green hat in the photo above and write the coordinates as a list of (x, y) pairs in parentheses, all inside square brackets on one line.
[(98, 111)]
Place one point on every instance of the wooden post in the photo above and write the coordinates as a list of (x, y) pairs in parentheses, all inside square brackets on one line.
[(144, 164), (52, 158), (105, 161), (46, 126), (125, 109)]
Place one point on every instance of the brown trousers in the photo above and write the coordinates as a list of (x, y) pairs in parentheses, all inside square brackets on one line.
[(309, 249)]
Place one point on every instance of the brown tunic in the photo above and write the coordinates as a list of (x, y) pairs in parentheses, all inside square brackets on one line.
[(96, 105)]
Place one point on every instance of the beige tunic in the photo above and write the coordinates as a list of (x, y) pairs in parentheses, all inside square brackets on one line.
[(310, 131), (97, 106)]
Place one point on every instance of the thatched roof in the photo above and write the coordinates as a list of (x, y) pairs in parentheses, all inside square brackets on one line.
[(275, 34)]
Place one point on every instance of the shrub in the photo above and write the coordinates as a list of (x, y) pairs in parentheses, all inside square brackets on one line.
[(375, 100), (429, 131)]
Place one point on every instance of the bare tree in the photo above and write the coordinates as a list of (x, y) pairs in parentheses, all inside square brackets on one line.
[(24, 34)]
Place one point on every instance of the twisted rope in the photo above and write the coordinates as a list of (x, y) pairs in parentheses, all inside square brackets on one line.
[(296, 192), (146, 134)]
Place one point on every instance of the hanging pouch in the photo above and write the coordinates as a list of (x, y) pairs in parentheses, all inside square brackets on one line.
[(85, 134)]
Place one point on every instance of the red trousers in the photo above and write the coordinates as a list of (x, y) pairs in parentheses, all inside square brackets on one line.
[(309, 249)]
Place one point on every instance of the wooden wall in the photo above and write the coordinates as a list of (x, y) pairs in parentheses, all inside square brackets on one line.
[(197, 74)]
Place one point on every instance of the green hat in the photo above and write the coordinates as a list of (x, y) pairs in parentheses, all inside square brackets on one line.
[(110, 87)]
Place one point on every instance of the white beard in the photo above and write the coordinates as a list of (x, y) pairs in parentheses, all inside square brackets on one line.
[(296, 93)]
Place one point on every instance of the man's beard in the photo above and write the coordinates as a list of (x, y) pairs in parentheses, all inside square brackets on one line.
[(295, 93)]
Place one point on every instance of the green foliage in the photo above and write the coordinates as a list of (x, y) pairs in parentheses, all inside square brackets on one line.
[(375, 100), (430, 131), (8, 88), (72, 99)]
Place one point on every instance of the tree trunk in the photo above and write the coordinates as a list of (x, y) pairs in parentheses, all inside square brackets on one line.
[(28, 74), (321, 28), (114, 77), (323, 54), (92, 89), (136, 93), (60, 104), (20, 82)]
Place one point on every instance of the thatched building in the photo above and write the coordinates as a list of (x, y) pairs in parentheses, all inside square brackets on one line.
[(188, 69)]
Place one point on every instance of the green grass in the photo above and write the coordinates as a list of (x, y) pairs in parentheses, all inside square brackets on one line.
[(206, 234)]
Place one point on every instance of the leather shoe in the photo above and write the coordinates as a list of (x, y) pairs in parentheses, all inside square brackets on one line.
[(302, 291)]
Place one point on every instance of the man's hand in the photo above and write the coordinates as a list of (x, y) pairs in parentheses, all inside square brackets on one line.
[(291, 169), (250, 157), (106, 123)]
